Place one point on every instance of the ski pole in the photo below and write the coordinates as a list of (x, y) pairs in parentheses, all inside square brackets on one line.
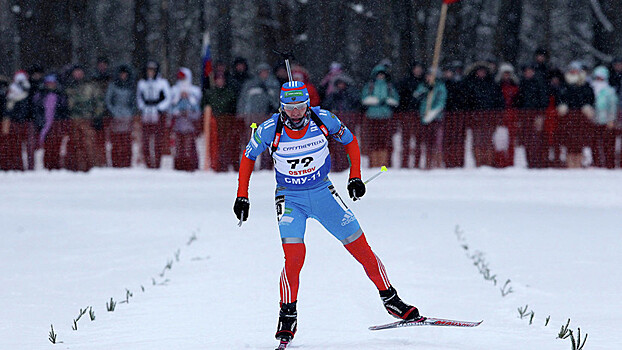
[(382, 170)]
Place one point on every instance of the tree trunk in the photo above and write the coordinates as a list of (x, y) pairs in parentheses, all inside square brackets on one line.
[(139, 31)]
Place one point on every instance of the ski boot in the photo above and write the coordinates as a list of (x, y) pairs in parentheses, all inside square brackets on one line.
[(287, 322), (396, 307)]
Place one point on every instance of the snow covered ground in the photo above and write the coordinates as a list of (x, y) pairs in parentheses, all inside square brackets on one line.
[(70, 241)]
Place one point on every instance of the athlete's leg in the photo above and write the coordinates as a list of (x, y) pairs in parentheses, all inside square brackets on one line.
[(361, 251), (334, 215), (292, 224), (292, 218), (294, 259), (331, 211)]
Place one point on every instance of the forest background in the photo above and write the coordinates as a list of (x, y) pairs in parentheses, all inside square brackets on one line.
[(357, 33)]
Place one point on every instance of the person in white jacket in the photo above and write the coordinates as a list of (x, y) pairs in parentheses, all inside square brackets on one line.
[(153, 99), (185, 116)]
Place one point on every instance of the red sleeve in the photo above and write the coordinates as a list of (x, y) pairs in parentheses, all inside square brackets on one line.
[(354, 153), (244, 177)]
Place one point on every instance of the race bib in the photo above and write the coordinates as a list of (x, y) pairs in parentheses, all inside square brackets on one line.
[(301, 158)]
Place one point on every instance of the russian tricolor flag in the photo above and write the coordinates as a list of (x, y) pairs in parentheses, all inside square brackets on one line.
[(207, 67)]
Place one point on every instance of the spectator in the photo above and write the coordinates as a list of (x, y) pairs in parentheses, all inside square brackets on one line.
[(239, 76), (552, 127), (505, 136), (532, 103), (51, 114), (615, 80), (541, 64), (454, 129), (575, 108), (121, 102), (220, 101), (101, 122), (186, 115), (431, 109), (606, 106), (4, 122), (220, 67), (484, 100), (328, 83), (18, 124), (408, 117), (343, 101), (153, 97), (259, 97), (84, 105), (380, 97), (35, 77), (299, 73)]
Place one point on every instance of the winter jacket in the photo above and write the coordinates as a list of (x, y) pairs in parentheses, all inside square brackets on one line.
[(406, 89), (532, 94), (83, 100), (185, 104), (20, 112), (577, 96), (379, 96), (61, 109), (121, 102), (606, 103), (439, 100), (18, 106), (49, 106), (222, 101), (153, 97), (455, 92), (509, 91), (483, 95)]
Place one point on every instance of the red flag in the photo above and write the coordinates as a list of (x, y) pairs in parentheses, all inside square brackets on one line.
[(450, 1)]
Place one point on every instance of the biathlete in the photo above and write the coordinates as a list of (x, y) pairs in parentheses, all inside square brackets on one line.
[(297, 139)]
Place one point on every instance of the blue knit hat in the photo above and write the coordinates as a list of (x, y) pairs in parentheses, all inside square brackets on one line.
[(295, 91)]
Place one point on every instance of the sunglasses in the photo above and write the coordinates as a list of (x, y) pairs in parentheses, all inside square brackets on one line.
[(292, 106)]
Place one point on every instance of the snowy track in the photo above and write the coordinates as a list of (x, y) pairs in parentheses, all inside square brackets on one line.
[(74, 240)]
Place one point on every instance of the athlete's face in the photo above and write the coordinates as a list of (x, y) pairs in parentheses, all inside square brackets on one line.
[(297, 113)]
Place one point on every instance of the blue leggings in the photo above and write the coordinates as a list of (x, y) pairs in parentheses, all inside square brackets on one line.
[(322, 203)]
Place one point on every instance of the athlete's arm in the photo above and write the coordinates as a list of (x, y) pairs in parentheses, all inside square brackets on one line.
[(354, 154), (242, 204), (258, 143), (244, 176)]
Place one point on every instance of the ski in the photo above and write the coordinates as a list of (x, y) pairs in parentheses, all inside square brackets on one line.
[(283, 344), (426, 321)]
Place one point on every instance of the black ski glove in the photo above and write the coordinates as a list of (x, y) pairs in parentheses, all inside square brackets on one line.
[(241, 208), (356, 188)]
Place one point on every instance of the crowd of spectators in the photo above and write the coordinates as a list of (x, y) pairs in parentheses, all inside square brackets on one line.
[(556, 115), (83, 122)]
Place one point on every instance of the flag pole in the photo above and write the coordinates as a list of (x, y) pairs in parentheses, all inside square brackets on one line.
[(437, 53), (207, 116)]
